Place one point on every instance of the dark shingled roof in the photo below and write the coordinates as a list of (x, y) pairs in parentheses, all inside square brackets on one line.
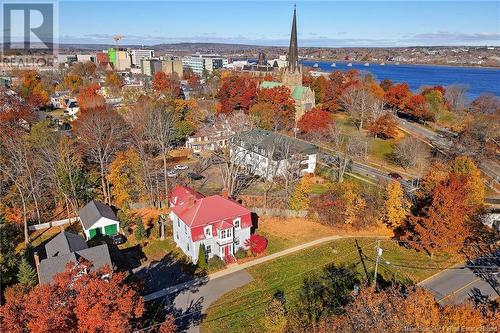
[(65, 243), (259, 141), (93, 212), (98, 255)]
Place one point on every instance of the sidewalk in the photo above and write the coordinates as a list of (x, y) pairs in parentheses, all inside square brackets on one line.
[(238, 267)]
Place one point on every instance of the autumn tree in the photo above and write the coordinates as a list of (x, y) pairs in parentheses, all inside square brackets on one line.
[(237, 93), (114, 82), (456, 97), (167, 84), (88, 98), (101, 133), (386, 84), (274, 109), (99, 301), (397, 96), (319, 86), (300, 197), (72, 82), (338, 82), (315, 121), (384, 127), (168, 326), (409, 153), (275, 317), (418, 108), (15, 113), (486, 104), (31, 89), (360, 103), (396, 207), (125, 177), (85, 70), (395, 310)]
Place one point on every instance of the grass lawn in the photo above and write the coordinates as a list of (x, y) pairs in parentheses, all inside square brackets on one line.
[(241, 310), (380, 149), (154, 248)]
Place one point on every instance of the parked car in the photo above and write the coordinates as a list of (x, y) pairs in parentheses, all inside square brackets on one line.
[(181, 167), (118, 239), (171, 174), (195, 176), (395, 175)]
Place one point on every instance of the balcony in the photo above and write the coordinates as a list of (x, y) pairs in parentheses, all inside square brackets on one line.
[(225, 241)]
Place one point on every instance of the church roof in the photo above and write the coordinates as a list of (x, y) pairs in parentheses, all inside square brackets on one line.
[(293, 50), (297, 92)]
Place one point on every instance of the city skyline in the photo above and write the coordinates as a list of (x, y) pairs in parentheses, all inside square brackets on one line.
[(320, 24)]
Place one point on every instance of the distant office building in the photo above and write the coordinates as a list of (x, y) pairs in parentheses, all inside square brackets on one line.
[(201, 63), (66, 58), (172, 66), (139, 54), (150, 66), (123, 60), (86, 57)]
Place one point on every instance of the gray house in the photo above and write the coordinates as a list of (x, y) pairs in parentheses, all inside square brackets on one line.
[(68, 247), (98, 219)]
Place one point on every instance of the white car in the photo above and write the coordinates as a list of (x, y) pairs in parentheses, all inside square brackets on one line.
[(171, 174), (181, 167)]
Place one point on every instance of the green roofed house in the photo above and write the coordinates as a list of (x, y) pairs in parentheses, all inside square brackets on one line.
[(292, 77), (98, 219)]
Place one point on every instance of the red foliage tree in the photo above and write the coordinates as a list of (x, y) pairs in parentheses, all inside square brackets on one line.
[(74, 302), (88, 98), (256, 243), (418, 108), (14, 113), (237, 93), (397, 96), (337, 84), (276, 108), (167, 84), (384, 127), (315, 120)]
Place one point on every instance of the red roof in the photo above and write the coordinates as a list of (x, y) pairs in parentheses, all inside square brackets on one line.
[(214, 210)]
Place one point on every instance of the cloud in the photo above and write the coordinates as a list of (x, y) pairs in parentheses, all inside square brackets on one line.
[(305, 39)]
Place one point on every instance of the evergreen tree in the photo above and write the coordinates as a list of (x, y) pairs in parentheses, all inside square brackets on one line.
[(140, 232), (26, 274), (202, 259)]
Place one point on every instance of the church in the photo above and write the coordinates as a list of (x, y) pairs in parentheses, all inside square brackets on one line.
[(292, 77)]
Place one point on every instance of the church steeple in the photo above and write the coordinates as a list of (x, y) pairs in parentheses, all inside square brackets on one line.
[(293, 50)]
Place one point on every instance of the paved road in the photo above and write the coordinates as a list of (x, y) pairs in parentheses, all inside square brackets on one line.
[(193, 303), (480, 279)]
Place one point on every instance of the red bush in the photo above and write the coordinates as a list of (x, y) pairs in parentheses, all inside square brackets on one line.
[(256, 243)]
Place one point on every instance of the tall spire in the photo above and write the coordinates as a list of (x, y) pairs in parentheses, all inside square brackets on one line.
[(293, 51)]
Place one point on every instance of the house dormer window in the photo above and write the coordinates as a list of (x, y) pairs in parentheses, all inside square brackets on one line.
[(237, 223), (208, 231)]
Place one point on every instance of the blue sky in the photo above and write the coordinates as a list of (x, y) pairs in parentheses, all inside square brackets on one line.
[(330, 23)]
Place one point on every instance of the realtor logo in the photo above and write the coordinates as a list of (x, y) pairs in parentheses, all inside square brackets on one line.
[(28, 27)]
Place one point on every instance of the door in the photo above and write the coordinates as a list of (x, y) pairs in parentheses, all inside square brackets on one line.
[(94, 232), (110, 229)]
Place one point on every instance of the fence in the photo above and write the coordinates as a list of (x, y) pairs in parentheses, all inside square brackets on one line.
[(279, 212), (47, 225)]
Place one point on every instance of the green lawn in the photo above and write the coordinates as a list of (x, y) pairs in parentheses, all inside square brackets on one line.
[(380, 149), (241, 310)]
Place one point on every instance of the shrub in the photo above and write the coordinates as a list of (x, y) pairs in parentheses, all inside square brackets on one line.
[(256, 243), (240, 254), (125, 220), (202, 259), (140, 232), (215, 263)]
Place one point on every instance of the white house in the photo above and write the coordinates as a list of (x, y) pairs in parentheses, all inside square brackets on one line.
[(72, 107), (218, 224), (273, 155), (98, 219)]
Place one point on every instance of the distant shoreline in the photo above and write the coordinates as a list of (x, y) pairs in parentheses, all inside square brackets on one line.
[(401, 63)]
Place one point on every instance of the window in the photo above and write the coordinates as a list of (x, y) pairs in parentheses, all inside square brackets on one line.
[(176, 235), (222, 234), (208, 231), (178, 222), (236, 241), (188, 247), (229, 233), (237, 223), (208, 249), (185, 229)]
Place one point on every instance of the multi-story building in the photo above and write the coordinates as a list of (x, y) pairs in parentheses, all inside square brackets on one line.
[(139, 54), (272, 155), (172, 66), (199, 63), (219, 225), (150, 66)]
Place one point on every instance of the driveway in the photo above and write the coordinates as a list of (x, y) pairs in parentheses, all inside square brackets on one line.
[(193, 303)]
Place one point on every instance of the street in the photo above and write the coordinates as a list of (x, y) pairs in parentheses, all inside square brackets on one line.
[(477, 280)]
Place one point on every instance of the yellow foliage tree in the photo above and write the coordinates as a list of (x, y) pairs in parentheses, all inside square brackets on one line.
[(396, 207), (125, 175), (465, 166), (300, 197), (352, 200)]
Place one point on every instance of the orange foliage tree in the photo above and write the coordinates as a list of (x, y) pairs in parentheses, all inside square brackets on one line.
[(449, 199), (393, 310), (384, 127), (316, 120), (418, 108), (397, 96), (74, 302), (31, 89), (166, 84), (237, 92), (88, 98), (275, 108)]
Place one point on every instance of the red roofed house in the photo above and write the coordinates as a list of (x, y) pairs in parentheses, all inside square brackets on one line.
[(219, 224)]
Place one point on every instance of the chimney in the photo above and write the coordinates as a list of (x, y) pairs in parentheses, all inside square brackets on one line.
[(37, 262), (225, 193), (190, 201)]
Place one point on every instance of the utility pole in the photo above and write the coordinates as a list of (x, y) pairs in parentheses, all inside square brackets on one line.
[(378, 252)]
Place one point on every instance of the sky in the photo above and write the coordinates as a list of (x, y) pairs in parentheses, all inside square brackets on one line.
[(328, 23)]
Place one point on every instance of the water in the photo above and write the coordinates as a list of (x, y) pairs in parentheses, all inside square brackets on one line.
[(478, 80)]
